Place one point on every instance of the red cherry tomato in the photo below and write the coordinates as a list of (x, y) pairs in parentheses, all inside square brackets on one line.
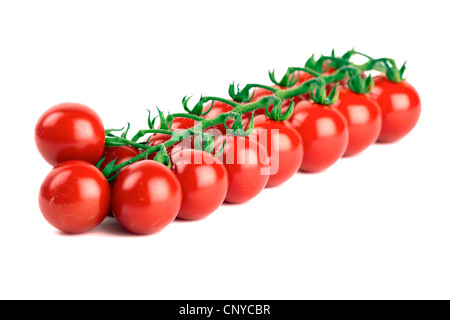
[(400, 107), (178, 125), (75, 197), (284, 147), (146, 197), (363, 116), (120, 153), (324, 132), (70, 131), (248, 167), (204, 181)]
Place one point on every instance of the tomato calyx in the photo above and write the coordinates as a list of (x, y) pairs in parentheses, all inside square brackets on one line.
[(393, 73), (277, 114), (319, 95), (292, 76), (361, 84), (163, 157), (243, 95), (238, 128)]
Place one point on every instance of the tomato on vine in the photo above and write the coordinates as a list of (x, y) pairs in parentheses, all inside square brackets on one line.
[(363, 116), (204, 182), (284, 147), (324, 132), (75, 197), (248, 167), (400, 105), (70, 131), (178, 125), (120, 154), (146, 197)]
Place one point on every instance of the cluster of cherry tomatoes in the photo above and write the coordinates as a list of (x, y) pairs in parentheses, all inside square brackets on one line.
[(147, 195)]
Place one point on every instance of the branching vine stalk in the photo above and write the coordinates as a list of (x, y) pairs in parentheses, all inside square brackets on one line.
[(288, 87)]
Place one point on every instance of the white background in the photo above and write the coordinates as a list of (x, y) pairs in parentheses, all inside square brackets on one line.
[(375, 226)]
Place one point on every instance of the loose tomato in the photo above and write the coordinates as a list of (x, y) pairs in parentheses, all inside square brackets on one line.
[(248, 167), (75, 197), (146, 197), (400, 107), (204, 181), (70, 131), (363, 116), (284, 147), (324, 132)]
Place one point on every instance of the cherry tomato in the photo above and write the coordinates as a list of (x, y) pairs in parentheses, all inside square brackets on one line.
[(146, 197), (363, 116), (120, 153), (324, 132), (400, 107), (178, 125), (70, 131), (204, 181), (248, 167), (75, 197), (284, 147)]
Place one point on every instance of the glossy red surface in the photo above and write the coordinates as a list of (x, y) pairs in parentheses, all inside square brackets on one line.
[(400, 105), (70, 131), (324, 132), (204, 181), (284, 146), (75, 197), (248, 168), (146, 197), (363, 116)]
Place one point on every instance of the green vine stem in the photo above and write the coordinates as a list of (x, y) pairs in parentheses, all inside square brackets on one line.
[(344, 69)]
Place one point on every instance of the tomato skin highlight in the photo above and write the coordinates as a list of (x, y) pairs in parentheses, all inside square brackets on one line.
[(248, 167), (75, 197), (364, 121), (146, 197), (204, 181), (324, 132), (282, 138), (400, 106), (70, 131)]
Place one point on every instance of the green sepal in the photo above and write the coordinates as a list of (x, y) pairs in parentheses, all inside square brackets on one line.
[(361, 84), (205, 142), (124, 135), (109, 134), (393, 73), (109, 169), (238, 128), (319, 95), (288, 80), (276, 113), (240, 95), (100, 162), (198, 108), (150, 121), (164, 123), (163, 157)]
